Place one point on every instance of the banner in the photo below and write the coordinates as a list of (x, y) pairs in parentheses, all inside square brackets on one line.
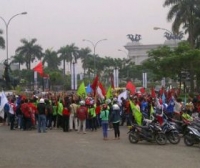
[(3, 101)]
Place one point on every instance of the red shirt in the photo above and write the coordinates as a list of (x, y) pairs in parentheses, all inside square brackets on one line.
[(65, 111), (82, 112), (98, 109)]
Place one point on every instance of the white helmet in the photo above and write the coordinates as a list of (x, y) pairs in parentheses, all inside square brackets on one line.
[(115, 107), (108, 101), (82, 102), (41, 100)]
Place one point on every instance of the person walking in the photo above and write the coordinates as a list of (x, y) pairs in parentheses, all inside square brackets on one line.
[(115, 119), (104, 115), (82, 113), (41, 107)]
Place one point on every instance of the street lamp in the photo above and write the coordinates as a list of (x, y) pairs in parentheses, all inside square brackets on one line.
[(7, 24), (94, 49), (124, 52)]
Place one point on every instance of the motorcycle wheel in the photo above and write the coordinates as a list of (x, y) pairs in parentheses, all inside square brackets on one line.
[(174, 137), (133, 138), (160, 139), (187, 140)]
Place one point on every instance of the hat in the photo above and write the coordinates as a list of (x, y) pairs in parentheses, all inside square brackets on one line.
[(41, 100)]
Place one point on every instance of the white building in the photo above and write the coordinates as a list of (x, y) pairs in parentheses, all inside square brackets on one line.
[(139, 52)]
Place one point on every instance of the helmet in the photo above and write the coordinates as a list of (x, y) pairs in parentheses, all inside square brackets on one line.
[(115, 107), (41, 100), (82, 103), (108, 101)]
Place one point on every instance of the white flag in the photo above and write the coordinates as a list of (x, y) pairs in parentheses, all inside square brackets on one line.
[(124, 94), (3, 101), (100, 93)]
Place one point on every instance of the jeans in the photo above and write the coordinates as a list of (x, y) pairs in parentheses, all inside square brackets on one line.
[(12, 121), (105, 128), (65, 123), (116, 129), (41, 123), (98, 120), (20, 121)]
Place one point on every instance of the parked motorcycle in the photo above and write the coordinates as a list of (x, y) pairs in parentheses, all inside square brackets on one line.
[(192, 136), (171, 133), (152, 132)]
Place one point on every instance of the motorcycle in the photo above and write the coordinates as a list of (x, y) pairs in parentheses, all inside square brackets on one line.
[(192, 136), (171, 133), (150, 133)]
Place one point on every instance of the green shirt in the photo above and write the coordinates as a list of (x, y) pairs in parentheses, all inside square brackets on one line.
[(92, 112), (104, 115)]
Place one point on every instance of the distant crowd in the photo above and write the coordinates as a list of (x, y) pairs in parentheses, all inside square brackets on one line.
[(71, 113)]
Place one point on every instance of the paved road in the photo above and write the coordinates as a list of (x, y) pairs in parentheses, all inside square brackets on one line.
[(56, 149)]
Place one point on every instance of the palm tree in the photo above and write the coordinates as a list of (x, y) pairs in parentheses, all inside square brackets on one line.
[(29, 50), (52, 60), (184, 14), (68, 53), (2, 41), (18, 59), (84, 54)]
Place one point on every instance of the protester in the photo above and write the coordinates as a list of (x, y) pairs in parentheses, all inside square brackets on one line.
[(82, 114), (92, 117), (115, 119), (49, 114), (41, 107), (12, 111), (65, 113), (26, 114), (104, 115), (60, 113), (73, 116)]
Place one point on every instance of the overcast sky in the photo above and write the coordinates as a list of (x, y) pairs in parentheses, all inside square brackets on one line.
[(56, 23)]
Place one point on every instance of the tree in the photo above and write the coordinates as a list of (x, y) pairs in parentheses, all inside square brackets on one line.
[(52, 60), (84, 54), (184, 13), (2, 41), (29, 51), (67, 53), (18, 59)]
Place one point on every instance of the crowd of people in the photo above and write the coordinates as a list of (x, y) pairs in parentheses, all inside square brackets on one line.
[(71, 113)]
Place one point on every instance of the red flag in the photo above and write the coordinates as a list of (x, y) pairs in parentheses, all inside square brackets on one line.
[(38, 68), (131, 87), (95, 83), (153, 93), (162, 90), (142, 90), (112, 81)]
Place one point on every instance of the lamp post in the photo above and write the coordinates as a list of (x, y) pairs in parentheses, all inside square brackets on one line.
[(124, 52), (94, 49), (7, 24), (160, 28)]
